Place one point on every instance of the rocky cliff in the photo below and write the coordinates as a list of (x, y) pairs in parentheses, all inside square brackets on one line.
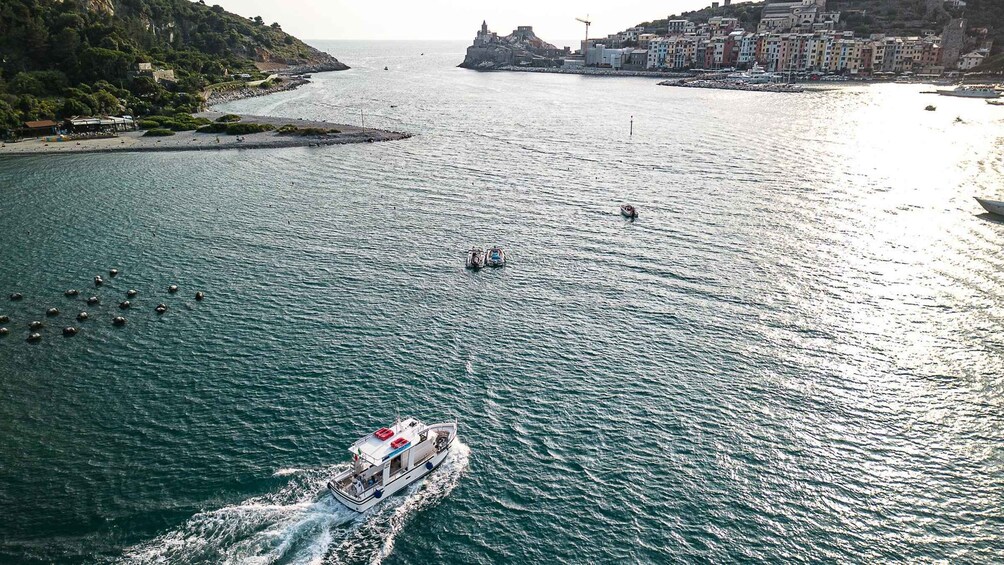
[(522, 46)]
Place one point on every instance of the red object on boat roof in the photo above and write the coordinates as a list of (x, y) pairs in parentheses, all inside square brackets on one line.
[(399, 442), (383, 434)]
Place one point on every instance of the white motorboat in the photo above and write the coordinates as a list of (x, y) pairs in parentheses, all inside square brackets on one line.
[(971, 92), (496, 257), (629, 211), (389, 459), (475, 258), (756, 75), (992, 206)]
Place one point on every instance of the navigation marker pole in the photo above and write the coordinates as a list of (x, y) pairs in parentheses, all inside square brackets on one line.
[(632, 127)]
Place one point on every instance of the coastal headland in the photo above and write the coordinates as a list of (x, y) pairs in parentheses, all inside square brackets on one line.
[(307, 133)]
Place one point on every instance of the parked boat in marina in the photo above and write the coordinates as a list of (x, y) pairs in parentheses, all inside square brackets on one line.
[(756, 75), (971, 92), (389, 459), (496, 257), (629, 211), (475, 258), (993, 206)]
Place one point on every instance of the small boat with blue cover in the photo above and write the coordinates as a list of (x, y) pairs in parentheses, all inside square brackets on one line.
[(496, 257)]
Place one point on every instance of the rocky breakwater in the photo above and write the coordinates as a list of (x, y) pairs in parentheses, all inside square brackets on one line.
[(521, 47), (222, 96)]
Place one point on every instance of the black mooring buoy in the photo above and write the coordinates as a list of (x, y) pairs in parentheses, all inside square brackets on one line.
[(119, 321), (69, 331), (93, 300), (52, 312), (82, 316), (200, 295), (36, 325)]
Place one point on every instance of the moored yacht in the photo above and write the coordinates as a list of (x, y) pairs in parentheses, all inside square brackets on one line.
[(756, 75), (971, 92), (389, 459)]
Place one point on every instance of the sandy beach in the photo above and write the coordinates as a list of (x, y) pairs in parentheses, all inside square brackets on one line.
[(191, 141)]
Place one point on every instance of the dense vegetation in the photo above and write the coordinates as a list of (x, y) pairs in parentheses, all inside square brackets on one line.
[(747, 12), (60, 58)]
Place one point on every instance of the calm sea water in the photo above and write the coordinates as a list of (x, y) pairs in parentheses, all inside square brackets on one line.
[(794, 354)]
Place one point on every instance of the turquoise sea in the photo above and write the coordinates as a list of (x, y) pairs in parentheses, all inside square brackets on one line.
[(793, 355)]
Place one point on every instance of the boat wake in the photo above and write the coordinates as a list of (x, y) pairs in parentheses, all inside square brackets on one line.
[(301, 523)]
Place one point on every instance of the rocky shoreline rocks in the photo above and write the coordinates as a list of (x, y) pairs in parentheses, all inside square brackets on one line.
[(223, 96)]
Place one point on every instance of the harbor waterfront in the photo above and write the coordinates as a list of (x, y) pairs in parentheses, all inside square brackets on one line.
[(793, 353)]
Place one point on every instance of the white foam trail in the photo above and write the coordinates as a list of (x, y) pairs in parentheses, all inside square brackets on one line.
[(297, 525)]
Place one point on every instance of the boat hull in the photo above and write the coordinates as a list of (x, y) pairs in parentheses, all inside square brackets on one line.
[(995, 207), (968, 94), (416, 473)]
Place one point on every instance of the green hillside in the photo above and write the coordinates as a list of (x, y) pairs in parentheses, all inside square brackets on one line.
[(68, 57)]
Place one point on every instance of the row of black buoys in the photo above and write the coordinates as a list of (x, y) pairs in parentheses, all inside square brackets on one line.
[(70, 331)]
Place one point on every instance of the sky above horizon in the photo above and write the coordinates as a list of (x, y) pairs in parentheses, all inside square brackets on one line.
[(552, 20)]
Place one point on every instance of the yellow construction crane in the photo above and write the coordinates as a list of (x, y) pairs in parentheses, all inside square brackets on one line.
[(588, 23)]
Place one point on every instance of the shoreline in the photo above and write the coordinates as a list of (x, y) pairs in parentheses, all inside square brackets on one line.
[(588, 71), (135, 142)]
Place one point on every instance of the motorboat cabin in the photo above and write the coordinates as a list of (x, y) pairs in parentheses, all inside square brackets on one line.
[(629, 211), (390, 459)]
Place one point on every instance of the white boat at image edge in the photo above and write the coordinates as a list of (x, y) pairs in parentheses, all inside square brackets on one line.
[(971, 92), (389, 459), (992, 206)]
